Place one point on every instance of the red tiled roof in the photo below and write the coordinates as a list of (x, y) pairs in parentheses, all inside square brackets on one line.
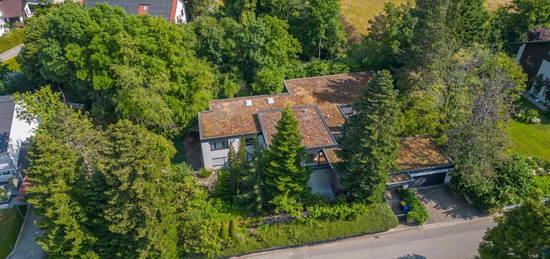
[(312, 127), (414, 153)]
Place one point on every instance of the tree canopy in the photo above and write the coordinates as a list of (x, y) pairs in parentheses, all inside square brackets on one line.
[(370, 140), (138, 68)]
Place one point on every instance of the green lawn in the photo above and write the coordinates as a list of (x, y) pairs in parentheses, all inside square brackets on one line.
[(359, 12), (531, 139), (11, 39), (10, 224)]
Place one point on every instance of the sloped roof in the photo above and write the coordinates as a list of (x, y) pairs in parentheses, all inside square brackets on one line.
[(312, 127), (414, 153), (7, 108), (11, 8), (231, 117)]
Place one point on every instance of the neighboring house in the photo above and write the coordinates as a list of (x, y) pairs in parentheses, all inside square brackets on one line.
[(13, 134), (534, 57), (172, 10), (321, 105), (12, 10)]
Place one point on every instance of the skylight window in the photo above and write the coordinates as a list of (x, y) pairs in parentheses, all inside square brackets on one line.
[(247, 102), (270, 100)]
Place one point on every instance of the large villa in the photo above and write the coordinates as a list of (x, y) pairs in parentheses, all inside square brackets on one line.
[(321, 105)]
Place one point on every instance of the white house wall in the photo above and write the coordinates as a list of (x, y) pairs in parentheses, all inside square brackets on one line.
[(180, 16), (544, 70), (20, 131), (209, 156)]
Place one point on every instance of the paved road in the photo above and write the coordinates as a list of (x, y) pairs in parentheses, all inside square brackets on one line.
[(26, 247), (457, 240), (10, 53)]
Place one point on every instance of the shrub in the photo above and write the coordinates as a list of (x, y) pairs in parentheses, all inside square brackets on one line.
[(205, 173), (529, 116), (543, 184), (418, 212), (376, 218)]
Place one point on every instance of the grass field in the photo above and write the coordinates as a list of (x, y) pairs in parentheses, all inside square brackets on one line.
[(10, 224), (11, 39), (359, 12), (531, 139)]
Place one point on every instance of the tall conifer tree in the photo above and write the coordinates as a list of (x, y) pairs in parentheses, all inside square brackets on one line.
[(283, 172), (369, 143)]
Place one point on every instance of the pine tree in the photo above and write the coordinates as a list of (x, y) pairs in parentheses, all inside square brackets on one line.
[(468, 20), (283, 171), (369, 143)]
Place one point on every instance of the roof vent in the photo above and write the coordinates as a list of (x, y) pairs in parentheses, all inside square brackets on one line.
[(247, 102), (270, 100)]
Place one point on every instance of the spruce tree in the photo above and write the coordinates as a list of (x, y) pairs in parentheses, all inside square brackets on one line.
[(369, 143), (468, 20), (283, 171)]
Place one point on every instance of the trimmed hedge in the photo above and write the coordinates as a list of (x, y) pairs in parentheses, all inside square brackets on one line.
[(418, 212), (376, 218)]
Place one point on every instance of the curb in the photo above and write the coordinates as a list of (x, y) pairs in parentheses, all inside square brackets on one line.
[(20, 231), (393, 230)]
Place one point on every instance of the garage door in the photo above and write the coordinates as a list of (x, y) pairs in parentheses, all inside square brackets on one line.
[(429, 179)]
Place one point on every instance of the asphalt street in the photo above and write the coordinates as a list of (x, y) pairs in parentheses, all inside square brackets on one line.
[(452, 240)]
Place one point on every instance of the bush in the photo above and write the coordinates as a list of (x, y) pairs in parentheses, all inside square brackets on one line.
[(531, 116), (375, 218), (11, 39), (418, 212), (543, 184), (205, 173)]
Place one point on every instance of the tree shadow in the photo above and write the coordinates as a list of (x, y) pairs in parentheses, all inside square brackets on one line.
[(440, 199), (412, 256)]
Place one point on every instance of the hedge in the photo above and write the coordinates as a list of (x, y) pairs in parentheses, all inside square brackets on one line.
[(377, 218), (418, 212)]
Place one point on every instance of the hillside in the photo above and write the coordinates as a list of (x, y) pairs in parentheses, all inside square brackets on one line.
[(359, 12)]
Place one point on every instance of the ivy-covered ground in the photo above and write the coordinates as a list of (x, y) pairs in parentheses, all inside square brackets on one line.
[(531, 139), (10, 224)]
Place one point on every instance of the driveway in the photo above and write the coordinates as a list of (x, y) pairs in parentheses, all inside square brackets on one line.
[(443, 205)]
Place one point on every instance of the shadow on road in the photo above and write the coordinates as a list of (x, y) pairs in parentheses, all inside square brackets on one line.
[(412, 256)]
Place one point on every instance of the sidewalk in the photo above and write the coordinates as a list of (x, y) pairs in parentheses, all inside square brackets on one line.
[(26, 247), (10, 53)]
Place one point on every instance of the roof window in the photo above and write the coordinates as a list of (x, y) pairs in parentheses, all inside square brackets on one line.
[(247, 102), (270, 100)]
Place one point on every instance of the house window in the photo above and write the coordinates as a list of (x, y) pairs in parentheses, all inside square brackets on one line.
[(219, 145), (249, 141), (347, 110), (143, 9), (219, 162)]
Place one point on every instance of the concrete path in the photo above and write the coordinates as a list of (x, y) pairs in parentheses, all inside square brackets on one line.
[(450, 240), (26, 247), (10, 53)]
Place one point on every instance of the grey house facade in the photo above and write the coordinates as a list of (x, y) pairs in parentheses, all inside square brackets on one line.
[(321, 105)]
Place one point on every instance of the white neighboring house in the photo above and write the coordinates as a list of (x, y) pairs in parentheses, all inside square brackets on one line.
[(13, 10), (13, 133)]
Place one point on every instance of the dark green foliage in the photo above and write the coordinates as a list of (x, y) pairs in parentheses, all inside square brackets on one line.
[(255, 51), (113, 192), (370, 140), (418, 212), (283, 172), (468, 21), (375, 218), (520, 233), (317, 67), (224, 230), (512, 22), (122, 66), (232, 228), (388, 40), (319, 29)]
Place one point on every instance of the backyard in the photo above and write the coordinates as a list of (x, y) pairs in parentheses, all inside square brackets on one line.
[(531, 139), (10, 224), (11, 39)]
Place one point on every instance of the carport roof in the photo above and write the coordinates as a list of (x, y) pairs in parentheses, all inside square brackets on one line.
[(415, 153)]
